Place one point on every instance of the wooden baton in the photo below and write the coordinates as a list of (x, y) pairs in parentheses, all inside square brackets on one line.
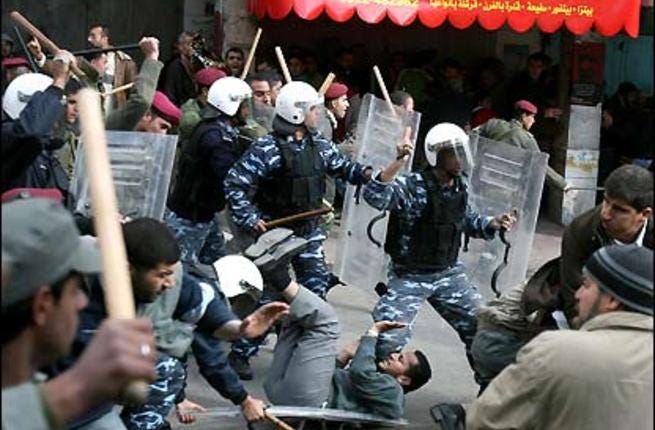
[(117, 90), (283, 64), (251, 54), (278, 422), (326, 84), (119, 298), (383, 88), (47, 43), (298, 217)]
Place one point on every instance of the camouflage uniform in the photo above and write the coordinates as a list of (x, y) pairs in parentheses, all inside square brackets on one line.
[(261, 162), (163, 393), (449, 291), (201, 242), (197, 195)]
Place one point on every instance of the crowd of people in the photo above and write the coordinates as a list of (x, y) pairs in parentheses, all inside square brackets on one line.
[(253, 149)]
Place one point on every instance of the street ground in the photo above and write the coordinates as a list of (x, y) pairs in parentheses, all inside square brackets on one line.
[(452, 380)]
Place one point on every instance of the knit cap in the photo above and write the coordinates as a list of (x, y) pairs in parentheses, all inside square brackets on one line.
[(626, 273)]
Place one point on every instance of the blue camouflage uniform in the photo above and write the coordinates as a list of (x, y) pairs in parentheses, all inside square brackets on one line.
[(261, 162), (449, 291), (198, 195)]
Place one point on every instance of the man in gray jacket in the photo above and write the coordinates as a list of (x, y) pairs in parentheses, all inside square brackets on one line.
[(303, 372)]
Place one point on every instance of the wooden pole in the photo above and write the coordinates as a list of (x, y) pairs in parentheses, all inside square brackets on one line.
[(119, 298), (251, 54), (283, 64), (45, 42), (298, 217), (383, 87), (278, 422), (117, 90), (326, 84)]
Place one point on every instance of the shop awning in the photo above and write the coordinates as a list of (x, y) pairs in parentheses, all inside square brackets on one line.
[(607, 17)]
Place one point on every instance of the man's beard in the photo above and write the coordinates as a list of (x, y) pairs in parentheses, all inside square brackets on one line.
[(579, 321)]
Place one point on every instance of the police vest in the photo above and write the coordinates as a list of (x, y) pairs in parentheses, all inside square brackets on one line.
[(197, 195), (172, 337), (297, 186), (435, 237)]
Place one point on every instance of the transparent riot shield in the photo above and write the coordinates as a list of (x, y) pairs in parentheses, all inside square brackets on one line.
[(141, 165), (361, 259), (504, 178)]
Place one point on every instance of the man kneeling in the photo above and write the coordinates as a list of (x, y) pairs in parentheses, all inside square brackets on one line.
[(303, 372)]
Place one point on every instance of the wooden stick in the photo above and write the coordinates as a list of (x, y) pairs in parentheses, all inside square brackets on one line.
[(278, 422), (119, 298), (326, 84), (298, 217), (118, 89), (47, 43), (283, 64), (251, 54), (383, 87)]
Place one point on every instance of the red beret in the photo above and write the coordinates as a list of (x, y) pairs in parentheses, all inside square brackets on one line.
[(14, 62), (335, 91), (165, 108), (28, 193), (208, 76), (526, 106)]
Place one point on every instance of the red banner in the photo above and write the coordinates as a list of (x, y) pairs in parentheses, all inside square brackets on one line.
[(608, 17)]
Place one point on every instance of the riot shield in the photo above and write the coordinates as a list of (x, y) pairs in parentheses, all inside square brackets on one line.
[(141, 165), (504, 178), (361, 259)]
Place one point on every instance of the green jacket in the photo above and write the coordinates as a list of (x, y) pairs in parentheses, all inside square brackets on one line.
[(140, 99), (513, 133), (363, 388), (190, 118)]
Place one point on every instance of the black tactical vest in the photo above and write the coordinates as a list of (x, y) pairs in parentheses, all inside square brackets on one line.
[(299, 184), (435, 237), (197, 195)]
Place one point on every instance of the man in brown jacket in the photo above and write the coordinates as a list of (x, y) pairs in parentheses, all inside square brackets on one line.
[(121, 69), (625, 216), (597, 377)]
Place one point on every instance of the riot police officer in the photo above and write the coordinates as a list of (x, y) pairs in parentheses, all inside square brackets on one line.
[(429, 214), (198, 195), (288, 167)]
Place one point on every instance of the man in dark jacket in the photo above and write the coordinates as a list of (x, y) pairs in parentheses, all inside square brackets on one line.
[(204, 161), (625, 216)]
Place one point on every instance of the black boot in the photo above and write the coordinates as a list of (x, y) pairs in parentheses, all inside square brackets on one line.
[(240, 365), (273, 256)]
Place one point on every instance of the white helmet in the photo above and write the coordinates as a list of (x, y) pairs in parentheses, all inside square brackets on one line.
[(238, 275), (295, 100), (20, 91), (447, 135), (226, 94)]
